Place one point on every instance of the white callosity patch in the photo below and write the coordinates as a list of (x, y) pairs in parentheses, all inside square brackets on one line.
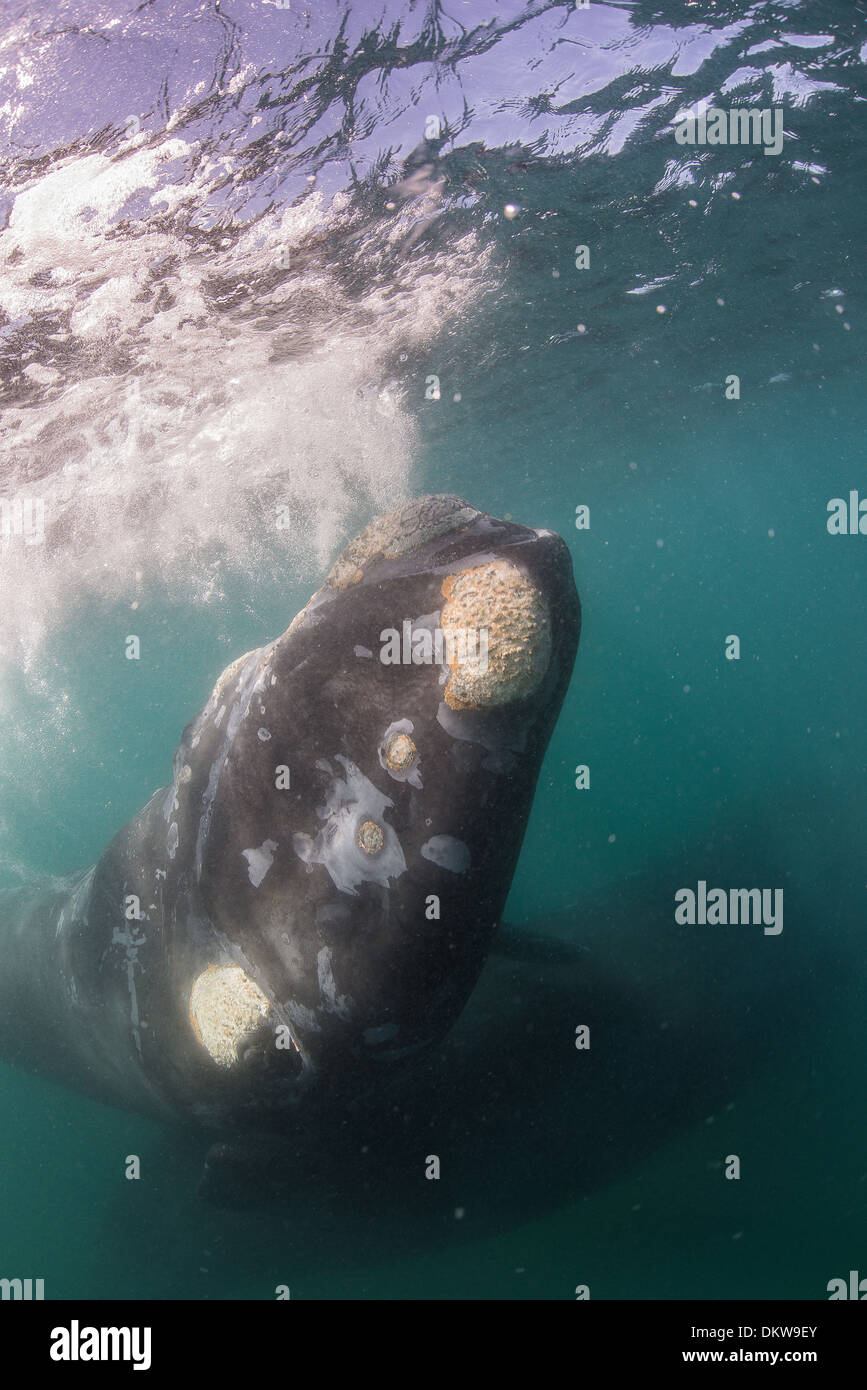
[(259, 861), (499, 600), (351, 802), (225, 1006), (412, 524), (447, 852), (399, 755)]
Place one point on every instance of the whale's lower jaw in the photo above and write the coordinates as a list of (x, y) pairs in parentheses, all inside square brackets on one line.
[(305, 910)]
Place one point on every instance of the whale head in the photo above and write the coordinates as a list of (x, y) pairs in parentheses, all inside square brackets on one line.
[(357, 793)]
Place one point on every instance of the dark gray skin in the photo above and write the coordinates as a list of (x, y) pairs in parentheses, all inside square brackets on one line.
[(319, 891)]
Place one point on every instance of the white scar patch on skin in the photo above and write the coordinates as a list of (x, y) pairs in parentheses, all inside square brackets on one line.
[(448, 853), (356, 844), (259, 861), (335, 1003), (131, 943), (303, 1018), (225, 1006)]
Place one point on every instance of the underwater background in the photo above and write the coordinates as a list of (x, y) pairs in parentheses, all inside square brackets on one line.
[(238, 243)]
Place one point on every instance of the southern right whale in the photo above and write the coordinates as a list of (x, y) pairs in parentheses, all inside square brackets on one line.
[(305, 909)]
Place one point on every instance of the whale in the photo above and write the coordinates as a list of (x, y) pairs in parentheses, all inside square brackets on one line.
[(304, 911)]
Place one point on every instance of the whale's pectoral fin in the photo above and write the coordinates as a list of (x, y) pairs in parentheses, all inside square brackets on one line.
[(535, 947)]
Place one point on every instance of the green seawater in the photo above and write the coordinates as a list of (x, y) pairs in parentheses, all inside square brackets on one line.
[(766, 751)]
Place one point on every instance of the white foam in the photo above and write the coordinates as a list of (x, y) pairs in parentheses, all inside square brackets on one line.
[(190, 420), (182, 393)]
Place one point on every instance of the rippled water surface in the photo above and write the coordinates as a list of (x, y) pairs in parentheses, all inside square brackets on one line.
[(238, 241)]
